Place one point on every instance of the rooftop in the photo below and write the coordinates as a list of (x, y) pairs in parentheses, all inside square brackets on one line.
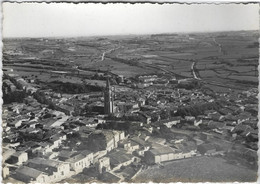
[(119, 156), (75, 158), (32, 173), (162, 150), (45, 162)]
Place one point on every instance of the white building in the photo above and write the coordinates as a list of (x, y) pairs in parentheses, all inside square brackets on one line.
[(80, 161)]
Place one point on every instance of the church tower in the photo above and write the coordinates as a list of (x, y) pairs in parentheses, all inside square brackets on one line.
[(108, 99)]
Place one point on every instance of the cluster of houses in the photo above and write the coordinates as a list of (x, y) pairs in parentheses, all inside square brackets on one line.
[(52, 160), (41, 144), (13, 82), (145, 81)]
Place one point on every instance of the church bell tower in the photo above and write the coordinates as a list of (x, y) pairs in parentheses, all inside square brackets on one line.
[(108, 99)]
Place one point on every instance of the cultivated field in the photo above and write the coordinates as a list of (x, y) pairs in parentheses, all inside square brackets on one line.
[(225, 60), (200, 169)]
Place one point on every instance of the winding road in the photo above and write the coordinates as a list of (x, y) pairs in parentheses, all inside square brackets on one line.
[(218, 44), (193, 71), (194, 63), (108, 51)]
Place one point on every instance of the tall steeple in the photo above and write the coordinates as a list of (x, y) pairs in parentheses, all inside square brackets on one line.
[(108, 99)]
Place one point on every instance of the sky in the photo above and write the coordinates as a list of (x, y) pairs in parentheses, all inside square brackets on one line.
[(72, 20)]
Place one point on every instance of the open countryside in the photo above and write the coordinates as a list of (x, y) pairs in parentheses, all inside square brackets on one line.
[(135, 108)]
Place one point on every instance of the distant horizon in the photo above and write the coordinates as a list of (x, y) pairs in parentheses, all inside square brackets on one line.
[(166, 33), (38, 20)]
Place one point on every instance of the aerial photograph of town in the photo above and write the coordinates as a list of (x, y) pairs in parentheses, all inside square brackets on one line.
[(161, 107)]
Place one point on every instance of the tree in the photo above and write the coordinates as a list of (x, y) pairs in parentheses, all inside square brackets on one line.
[(165, 114)]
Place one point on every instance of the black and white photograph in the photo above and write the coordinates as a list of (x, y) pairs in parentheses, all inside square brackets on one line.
[(129, 92)]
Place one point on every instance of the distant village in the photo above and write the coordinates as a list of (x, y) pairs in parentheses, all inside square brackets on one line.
[(113, 134)]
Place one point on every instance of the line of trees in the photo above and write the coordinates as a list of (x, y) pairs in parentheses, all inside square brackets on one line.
[(16, 96), (72, 88), (199, 109)]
